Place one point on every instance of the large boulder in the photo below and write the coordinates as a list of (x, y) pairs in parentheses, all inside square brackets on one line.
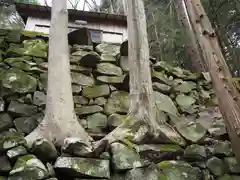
[(19, 109), (83, 167), (97, 123)]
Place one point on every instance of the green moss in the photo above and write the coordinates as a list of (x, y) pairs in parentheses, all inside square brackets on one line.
[(33, 34)]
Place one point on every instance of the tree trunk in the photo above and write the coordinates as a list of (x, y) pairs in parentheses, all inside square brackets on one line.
[(194, 50), (142, 106), (60, 120), (222, 80)]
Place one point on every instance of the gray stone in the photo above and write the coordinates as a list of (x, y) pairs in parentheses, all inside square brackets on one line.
[(159, 152), (80, 100), (101, 101), (96, 91), (28, 167), (161, 78), (109, 69), (105, 48), (124, 64), (124, 157), (20, 109), (216, 166), (96, 123), (28, 124), (178, 170), (190, 130), (88, 59), (2, 105), (232, 165), (108, 58), (150, 173), (164, 103), (86, 110), (39, 98), (14, 153), (185, 86), (81, 69), (195, 152), (114, 120), (81, 79), (223, 148), (6, 122), (44, 149), (111, 79), (5, 165), (79, 167), (185, 102), (18, 81), (228, 177), (76, 89), (10, 142), (117, 103), (76, 147), (163, 88)]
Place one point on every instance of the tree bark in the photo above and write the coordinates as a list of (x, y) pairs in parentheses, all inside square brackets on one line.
[(142, 107), (60, 120), (194, 50), (222, 80)]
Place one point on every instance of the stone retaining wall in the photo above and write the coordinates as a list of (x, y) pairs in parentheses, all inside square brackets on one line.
[(193, 144)]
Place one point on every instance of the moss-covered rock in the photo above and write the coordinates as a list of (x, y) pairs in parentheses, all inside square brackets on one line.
[(232, 165), (163, 88), (96, 91), (22, 63), (80, 100), (82, 79), (44, 149), (14, 153), (185, 102), (117, 103), (124, 157), (223, 148), (87, 59), (18, 81), (96, 123), (165, 103), (161, 78), (151, 173), (216, 166), (5, 165), (159, 152), (124, 64), (108, 58), (101, 101), (109, 69), (28, 124), (185, 86), (81, 167), (28, 167), (178, 170), (6, 122), (111, 79), (229, 177), (114, 120), (86, 110), (10, 142), (20, 109), (35, 48), (108, 49), (195, 152), (39, 98)]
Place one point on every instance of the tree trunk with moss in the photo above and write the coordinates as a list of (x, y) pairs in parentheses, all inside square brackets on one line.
[(225, 90), (60, 120)]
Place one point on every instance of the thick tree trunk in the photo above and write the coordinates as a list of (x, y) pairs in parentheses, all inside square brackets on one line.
[(222, 80), (60, 120), (194, 50), (142, 106)]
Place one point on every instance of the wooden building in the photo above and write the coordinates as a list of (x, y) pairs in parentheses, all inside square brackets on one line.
[(103, 27)]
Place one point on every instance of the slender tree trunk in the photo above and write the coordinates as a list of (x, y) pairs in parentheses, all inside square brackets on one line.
[(222, 80), (194, 50), (60, 120)]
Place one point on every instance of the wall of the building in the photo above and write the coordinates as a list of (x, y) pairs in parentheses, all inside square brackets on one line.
[(112, 33)]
